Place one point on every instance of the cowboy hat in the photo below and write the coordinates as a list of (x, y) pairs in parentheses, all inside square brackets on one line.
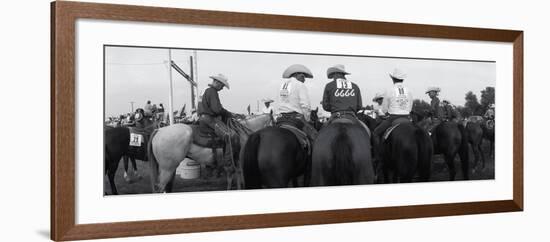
[(398, 74), (377, 96), (337, 69), (221, 78), (433, 89), (297, 68), (267, 100), (492, 105)]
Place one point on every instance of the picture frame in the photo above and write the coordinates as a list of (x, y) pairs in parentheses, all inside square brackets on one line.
[(63, 119)]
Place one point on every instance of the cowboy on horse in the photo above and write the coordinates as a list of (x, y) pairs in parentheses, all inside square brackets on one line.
[(268, 109), (293, 100), (211, 113), (377, 107), (342, 98), (490, 116), (398, 103)]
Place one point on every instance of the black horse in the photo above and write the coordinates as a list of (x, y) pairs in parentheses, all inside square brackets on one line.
[(474, 136), (407, 151), (342, 155), (488, 127), (116, 143), (273, 157), (449, 140)]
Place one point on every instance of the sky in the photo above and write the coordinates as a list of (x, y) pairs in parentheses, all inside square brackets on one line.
[(135, 74)]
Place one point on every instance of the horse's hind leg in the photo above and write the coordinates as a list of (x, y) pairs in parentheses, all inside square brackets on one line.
[(111, 176), (170, 184), (480, 151), (165, 177), (449, 159)]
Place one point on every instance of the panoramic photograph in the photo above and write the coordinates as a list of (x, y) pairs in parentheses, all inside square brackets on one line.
[(194, 120)]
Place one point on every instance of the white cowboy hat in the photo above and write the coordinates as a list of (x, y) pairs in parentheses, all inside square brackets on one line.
[(297, 68), (398, 74), (433, 89), (377, 96), (337, 69), (267, 100), (221, 78)]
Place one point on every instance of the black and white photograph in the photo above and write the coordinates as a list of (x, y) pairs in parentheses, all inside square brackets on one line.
[(193, 120)]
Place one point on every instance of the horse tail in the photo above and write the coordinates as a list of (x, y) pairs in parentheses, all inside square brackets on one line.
[(343, 172), (251, 169), (464, 152), (425, 152), (153, 161)]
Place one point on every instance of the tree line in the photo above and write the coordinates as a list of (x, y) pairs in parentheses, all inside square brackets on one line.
[(472, 105)]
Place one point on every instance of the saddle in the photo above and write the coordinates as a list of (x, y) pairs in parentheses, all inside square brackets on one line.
[(206, 138), (301, 136), (349, 119), (394, 125)]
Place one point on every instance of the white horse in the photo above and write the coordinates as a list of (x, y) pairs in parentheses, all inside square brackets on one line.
[(170, 145)]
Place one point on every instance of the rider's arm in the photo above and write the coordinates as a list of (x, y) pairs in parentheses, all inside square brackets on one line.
[(386, 102), (359, 99), (305, 104), (326, 98), (213, 100)]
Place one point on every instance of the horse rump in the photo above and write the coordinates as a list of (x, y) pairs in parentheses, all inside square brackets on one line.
[(153, 162), (464, 153), (343, 172), (425, 154), (251, 169)]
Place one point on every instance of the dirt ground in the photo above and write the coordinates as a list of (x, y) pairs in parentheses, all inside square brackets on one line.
[(141, 186)]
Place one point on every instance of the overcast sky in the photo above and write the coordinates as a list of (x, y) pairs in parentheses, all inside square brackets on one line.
[(141, 74)]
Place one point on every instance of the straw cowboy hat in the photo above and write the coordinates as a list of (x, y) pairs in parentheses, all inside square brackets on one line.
[(267, 100), (297, 68), (337, 69), (221, 78), (433, 89), (377, 96), (398, 74)]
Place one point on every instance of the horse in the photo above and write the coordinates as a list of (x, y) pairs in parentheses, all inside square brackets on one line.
[(489, 134), (314, 119), (170, 145), (406, 151), (273, 157), (342, 155), (117, 146), (450, 139), (128, 174), (474, 136), (116, 143)]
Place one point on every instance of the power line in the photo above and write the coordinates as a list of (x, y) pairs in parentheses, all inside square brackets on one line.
[(135, 64)]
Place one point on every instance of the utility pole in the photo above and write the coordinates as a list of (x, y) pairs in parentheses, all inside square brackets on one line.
[(192, 77), (132, 106), (170, 95)]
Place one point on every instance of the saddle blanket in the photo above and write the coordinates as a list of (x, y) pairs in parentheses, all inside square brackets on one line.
[(206, 139), (300, 135), (138, 143), (394, 125)]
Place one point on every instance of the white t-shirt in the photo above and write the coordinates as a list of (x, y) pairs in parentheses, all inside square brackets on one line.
[(293, 97), (397, 100)]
